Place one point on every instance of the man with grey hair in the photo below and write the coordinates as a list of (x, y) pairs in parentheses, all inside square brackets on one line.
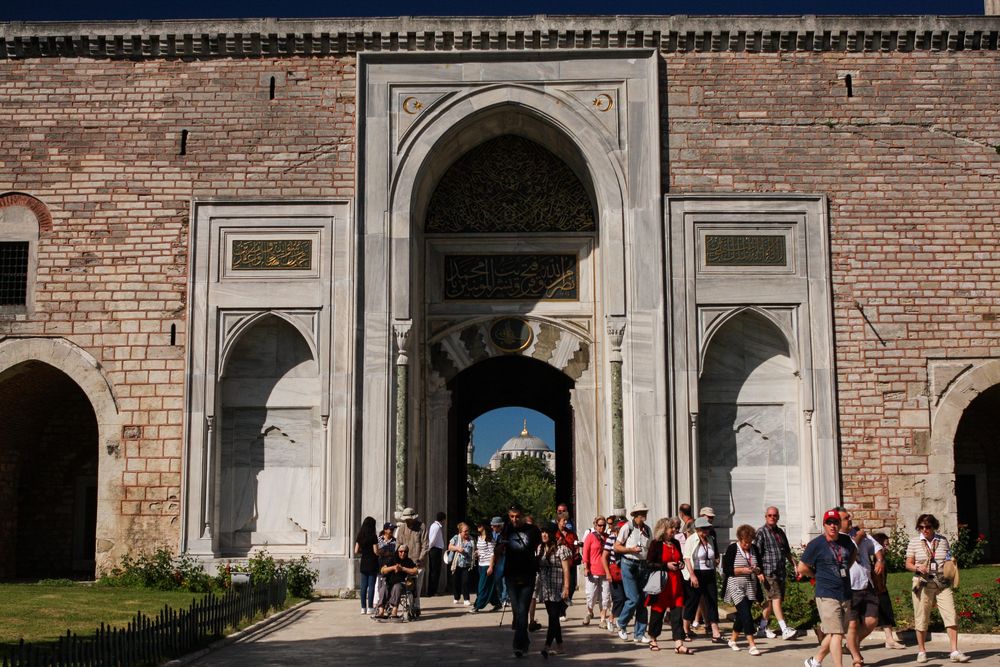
[(775, 551), (413, 533)]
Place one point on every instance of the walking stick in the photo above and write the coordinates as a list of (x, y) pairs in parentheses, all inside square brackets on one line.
[(503, 608)]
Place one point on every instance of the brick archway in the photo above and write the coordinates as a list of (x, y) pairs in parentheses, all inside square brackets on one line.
[(84, 371)]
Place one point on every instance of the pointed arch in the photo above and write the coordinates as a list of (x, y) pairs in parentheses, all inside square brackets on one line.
[(248, 323), (721, 321)]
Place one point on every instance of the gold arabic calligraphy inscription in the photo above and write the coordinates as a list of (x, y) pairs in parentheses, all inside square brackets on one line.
[(744, 250), (510, 277), (280, 254)]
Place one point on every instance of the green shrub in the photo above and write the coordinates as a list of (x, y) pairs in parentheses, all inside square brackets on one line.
[(895, 552), (799, 605), (301, 578), (979, 609), (159, 570), (262, 567), (56, 582), (968, 549)]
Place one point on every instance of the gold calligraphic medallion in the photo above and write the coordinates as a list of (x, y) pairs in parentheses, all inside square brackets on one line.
[(272, 255), (511, 334)]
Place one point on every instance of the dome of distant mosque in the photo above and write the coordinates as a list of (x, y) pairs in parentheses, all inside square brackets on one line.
[(525, 442)]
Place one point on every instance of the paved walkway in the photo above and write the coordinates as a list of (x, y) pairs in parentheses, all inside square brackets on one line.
[(333, 632)]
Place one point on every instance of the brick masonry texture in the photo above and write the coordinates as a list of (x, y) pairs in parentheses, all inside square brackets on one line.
[(910, 164), (97, 142), (911, 167)]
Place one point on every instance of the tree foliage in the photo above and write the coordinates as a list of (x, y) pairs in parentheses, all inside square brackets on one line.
[(523, 480)]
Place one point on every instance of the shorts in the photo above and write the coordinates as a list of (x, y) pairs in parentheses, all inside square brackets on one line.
[(864, 604), (834, 615), (774, 588)]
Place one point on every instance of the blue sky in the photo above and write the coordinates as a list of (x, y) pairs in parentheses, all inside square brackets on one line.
[(495, 427), (56, 10)]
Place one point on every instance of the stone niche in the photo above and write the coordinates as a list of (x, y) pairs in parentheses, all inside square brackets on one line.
[(748, 437), (271, 456)]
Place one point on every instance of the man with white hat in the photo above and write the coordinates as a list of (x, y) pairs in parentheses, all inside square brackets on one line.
[(631, 545), (413, 533)]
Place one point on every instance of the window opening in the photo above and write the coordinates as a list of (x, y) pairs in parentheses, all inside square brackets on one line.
[(14, 273)]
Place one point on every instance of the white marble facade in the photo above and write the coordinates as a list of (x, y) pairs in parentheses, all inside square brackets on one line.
[(291, 415)]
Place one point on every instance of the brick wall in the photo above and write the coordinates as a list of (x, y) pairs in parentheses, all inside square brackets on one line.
[(97, 142), (911, 167), (909, 163)]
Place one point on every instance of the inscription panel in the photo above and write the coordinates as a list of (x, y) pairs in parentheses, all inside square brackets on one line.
[(511, 277), (745, 250), (272, 255)]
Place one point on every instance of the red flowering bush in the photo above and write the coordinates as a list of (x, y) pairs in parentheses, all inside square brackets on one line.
[(979, 610)]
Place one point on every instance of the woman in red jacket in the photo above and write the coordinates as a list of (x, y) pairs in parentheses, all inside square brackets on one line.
[(598, 586), (665, 559)]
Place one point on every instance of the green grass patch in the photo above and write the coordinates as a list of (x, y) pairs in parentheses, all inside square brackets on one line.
[(44, 611)]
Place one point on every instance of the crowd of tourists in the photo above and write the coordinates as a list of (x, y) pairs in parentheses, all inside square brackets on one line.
[(637, 577)]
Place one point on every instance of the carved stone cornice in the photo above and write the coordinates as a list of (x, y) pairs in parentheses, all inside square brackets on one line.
[(252, 38)]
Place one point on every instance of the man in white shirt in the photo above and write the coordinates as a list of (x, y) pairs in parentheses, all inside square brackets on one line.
[(435, 538), (864, 599)]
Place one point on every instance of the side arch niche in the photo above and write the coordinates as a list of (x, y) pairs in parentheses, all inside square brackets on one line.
[(61, 463), (270, 439), (748, 440)]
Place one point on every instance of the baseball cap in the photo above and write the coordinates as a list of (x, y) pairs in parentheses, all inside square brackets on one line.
[(831, 514), (388, 526)]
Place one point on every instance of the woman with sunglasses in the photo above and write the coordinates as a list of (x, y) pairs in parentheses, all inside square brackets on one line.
[(926, 556), (665, 559), (597, 586), (552, 585)]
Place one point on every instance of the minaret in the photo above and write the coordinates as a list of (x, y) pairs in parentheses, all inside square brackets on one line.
[(471, 448)]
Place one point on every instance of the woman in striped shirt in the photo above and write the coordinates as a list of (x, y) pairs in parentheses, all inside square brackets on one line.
[(741, 568), (486, 592)]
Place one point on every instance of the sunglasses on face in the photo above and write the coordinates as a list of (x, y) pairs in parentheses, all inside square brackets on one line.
[(772, 515), (832, 522), (601, 525)]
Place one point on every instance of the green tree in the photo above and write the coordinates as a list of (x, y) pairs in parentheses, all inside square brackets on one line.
[(523, 480)]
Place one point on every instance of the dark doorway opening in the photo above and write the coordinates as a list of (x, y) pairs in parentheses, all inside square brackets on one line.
[(977, 470), (48, 475), (503, 382)]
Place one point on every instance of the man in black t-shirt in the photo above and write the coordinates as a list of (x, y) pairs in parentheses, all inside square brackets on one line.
[(395, 569), (518, 544)]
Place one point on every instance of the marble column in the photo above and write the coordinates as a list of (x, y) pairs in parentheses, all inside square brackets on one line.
[(207, 509), (616, 332), (401, 329)]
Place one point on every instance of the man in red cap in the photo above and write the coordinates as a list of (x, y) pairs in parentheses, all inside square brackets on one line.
[(828, 558)]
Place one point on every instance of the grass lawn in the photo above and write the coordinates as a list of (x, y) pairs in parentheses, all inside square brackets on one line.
[(42, 612)]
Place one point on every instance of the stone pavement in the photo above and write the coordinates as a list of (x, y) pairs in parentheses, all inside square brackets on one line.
[(333, 632)]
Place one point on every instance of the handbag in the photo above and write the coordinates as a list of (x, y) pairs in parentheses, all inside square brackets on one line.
[(654, 584), (949, 574)]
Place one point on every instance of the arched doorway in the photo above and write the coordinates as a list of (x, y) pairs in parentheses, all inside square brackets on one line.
[(48, 475), (977, 469), (270, 441), (508, 381), (748, 440)]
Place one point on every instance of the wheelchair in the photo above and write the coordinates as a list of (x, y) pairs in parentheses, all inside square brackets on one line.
[(407, 601)]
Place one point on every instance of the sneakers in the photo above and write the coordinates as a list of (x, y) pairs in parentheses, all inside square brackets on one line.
[(455, 601), (588, 616), (623, 635), (474, 610), (754, 650), (894, 645), (812, 662), (769, 633), (958, 656), (922, 657), (364, 611), (733, 645), (645, 639), (466, 603), (789, 632), (694, 625), (534, 626), (562, 619)]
